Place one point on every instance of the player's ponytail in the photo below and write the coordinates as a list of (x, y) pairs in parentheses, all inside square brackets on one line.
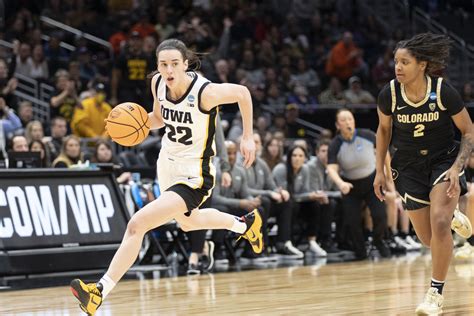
[(429, 47)]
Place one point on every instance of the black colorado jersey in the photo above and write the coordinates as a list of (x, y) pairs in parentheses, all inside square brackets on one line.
[(426, 124)]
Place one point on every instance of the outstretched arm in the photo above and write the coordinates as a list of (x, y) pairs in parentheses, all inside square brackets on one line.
[(224, 93)]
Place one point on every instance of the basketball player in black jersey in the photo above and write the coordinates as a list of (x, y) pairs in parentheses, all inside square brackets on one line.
[(416, 112)]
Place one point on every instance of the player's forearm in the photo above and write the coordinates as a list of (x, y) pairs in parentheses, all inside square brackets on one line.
[(467, 143), (155, 122), (245, 106), (382, 141)]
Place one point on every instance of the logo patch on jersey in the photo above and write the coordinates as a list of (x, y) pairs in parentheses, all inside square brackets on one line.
[(433, 96), (432, 106), (401, 107), (191, 99)]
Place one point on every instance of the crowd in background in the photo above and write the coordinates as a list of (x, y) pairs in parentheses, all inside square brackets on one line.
[(294, 56)]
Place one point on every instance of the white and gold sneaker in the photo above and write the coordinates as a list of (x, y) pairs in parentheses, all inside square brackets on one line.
[(465, 252), (432, 304), (461, 224)]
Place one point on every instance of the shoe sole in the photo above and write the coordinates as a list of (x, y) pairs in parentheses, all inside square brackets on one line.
[(462, 228), (425, 313), (77, 289)]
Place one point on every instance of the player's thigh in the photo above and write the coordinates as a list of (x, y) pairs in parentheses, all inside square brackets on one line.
[(158, 212)]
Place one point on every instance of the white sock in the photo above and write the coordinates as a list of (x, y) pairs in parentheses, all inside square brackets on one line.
[(107, 285), (238, 226)]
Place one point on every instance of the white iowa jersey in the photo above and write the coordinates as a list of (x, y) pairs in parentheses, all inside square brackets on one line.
[(189, 129)]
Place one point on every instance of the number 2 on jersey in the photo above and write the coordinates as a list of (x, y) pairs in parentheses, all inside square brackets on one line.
[(185, 139), (419, 130)]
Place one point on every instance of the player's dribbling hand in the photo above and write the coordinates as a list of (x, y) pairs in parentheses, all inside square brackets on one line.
[(247, 149), (380, 185), (452, 175)]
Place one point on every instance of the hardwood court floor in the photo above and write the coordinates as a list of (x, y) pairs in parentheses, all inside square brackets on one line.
[(388, 287)]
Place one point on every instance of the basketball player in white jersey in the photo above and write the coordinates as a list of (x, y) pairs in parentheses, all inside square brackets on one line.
[(185, 103)]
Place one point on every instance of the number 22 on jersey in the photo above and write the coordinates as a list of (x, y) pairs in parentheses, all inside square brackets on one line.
[(180, 134)]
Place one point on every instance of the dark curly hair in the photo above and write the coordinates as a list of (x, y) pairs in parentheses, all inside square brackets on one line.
[(429, 47)]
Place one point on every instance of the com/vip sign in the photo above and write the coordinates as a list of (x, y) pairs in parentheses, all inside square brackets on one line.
[(57, 211)]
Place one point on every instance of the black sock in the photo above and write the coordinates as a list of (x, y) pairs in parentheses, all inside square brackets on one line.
[(402, 234), (437, 284)]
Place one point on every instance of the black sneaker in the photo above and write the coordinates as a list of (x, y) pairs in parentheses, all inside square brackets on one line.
[(382, 248), (207, 259), (193, 269)]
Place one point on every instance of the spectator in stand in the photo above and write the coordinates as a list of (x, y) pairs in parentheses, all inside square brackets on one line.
[(382, 72), (294, 129), (74, 69), (129, 73), (25, 112), (39, 65), (8, 119), (119, 38), (261, 184), (356, 95), (58, 132), (87, 69), (38, 146), (7, 85), (143, 26), (345, 58), (236, 199), (272, 152), (293, 176), (70, 153), (65, 98), (307, 77), (333, 94), (300, 96), (19, 144), (88, 119), (23, 61), (162, 27), (275, 98), (56, 56), (103, 153), (321, 183), (34, 131)]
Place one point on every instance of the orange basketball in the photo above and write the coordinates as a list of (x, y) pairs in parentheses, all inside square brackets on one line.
[(128, 124)]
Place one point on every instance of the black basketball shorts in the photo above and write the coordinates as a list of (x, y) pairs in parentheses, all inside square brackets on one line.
[(416, 172)]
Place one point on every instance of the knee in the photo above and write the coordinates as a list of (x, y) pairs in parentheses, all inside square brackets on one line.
[(135, 226), (441, 225)]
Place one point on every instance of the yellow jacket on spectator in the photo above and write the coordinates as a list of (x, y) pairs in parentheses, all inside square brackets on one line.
[(88, 119)]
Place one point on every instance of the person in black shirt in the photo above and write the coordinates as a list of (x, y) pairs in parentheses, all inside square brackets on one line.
[(417, 109), (129, 74)]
